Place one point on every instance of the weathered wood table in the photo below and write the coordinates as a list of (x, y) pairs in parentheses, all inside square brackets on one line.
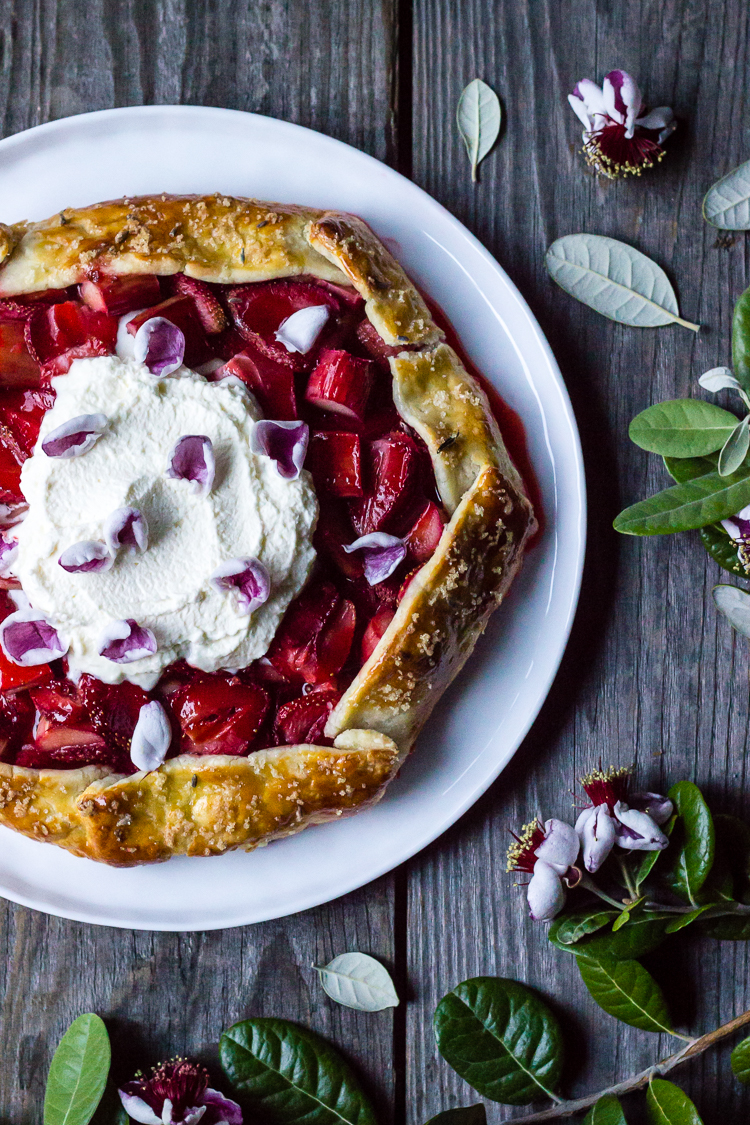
[(651, 674)]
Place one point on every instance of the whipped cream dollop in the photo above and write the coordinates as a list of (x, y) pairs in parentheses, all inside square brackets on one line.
[(249, 511)]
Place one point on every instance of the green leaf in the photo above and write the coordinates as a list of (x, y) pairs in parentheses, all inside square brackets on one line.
[(682, 427), (570, 928), (467, 1115), (740, 1059), (741, 340), (722, 549), (686, 506), (501, 1038), (667, 1104), (78, 1073), (735, 448), (641, 935), (727, 203), (615, 279), (478, 115), (694, 839), (734, 603), (688, 468), (625, 990), (680, 921), (292, 1075), (607, 1111), (357, 980)]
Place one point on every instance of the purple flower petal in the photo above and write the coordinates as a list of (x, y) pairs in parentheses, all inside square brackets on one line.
[(160, 345), (151, 737), (11, 514), (192, 459), (596, 830), (591, 95), (660, 118), (126, 529), (8, 555), (622, 99), (383, 554), (75, 437), (28, 639), (284, 442), (126, 641), (227, 1112), (138, 1110), (248, 577), (82, 558), (559, 848), (637, 832), (545, 892), (658, 807), (299, 331)]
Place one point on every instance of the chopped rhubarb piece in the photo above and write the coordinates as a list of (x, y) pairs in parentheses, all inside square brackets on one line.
[(341, 383), (17, 718), (394, 471), (375, 630), (58, 334), (335, 642), (425, 534), (271, 382), (18, 368), (181, 311), (374, 344), (335, 461), (44, 297), (218, 714), (259, 309), (113, 710), (315, 636), (119, 295), (207, 304), (10, 470), (346, 294), (303, 720), (333, 530), (21, 413)]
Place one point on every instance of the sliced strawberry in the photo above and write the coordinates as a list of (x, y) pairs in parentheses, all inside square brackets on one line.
[(60, 333), (272, 383), (64, 748), (59, 702), (207, 304), (52, 736), (332, 531), (303, 720), (18, 367), (425, 534), (218, 714), (375, 630), (116, 296), (21, 412), (335, 461), (335, 642), (17, 718), (181, 311), (315, 636), (374, 344), (10, 469), (113, 710), (347, 295), (394, 471), (341, 383), (260, 308)]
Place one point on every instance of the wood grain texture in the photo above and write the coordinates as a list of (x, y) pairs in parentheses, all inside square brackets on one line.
[(163, 994), (652, 674)]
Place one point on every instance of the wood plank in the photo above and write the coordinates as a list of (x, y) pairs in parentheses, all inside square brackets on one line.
[(651, 673), (163, 994)]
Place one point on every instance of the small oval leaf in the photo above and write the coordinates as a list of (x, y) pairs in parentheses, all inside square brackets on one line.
[(625, 990), (572, 927), (641, 935), (683, 920), (478, 115), (741, 1061), (687, 506), (726, 204), (741, 339), (734, 603), (667, 1104), (78, 1073), (688, 468), (358, 981), (614, 279), (292, 1074), (607, 1111), (467, 1115), (695, 840), (501, 1038), (735, 448), (682, 427)]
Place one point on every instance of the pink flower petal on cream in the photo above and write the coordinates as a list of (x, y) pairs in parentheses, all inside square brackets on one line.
[(126, 641), (8, 555), (27, 639), (160, 345), (75, 437), (151, 737), (126, 529), (284, 442), (90, 555), (248, 578), (11, 514), (192, 459), (382, 554)]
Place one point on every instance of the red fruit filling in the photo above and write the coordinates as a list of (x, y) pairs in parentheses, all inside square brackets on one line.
[(371, 473)]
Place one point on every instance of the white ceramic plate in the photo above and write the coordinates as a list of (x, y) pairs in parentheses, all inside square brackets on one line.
[(486, 713)]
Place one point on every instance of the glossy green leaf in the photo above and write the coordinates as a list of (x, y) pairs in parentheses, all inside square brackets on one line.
[(741, 340), (357, 980), (689, 505), (741, 1061), (642, 934), (682, 427), (734, 449), (722, 549), (570, 928), (467, 1115), (614, 279), (692, 843), (625, 990), (501, 1038), (607, 1111), (292, 1075), (726, 204), (680, 921), (734, 603), (688, 468), (667, 1104), (78, 1073), (479, 116)]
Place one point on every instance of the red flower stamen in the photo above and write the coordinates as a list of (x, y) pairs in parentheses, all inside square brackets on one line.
[(611, 153), (521, 855), (607, 787), (180, 1080)]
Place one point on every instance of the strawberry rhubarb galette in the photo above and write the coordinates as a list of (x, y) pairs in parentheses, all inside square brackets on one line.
[(255, 514)]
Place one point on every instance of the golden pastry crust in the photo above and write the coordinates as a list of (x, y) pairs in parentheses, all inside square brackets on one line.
[(208, 805)]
